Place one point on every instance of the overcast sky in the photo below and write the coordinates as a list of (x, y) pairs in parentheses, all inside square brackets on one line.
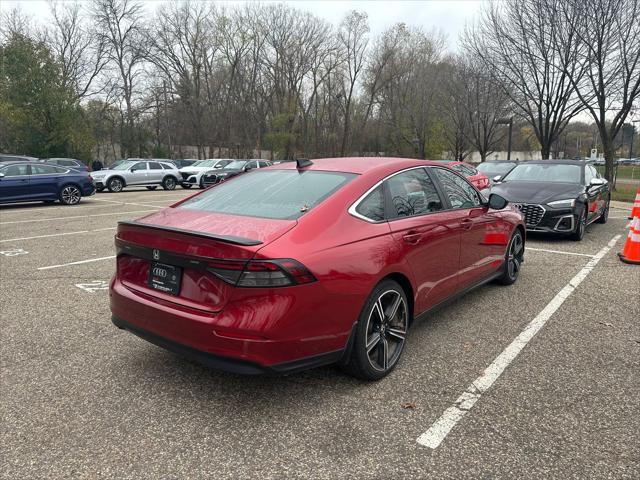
[(450, 16)]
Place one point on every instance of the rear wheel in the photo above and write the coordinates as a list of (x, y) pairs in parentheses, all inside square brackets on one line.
[(380, 333), (581, 227), (99, 189), (115, 185), (202, 182), (604, 216), (70, 195), (513, 259), (169, 183), (152, 188)]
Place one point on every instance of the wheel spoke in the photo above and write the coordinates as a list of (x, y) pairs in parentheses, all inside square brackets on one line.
[(396, 332), (373, 341), (378, 308), (393, 310), (383, 353)]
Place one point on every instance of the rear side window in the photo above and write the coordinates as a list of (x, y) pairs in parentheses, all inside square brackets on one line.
[(67, 163), (372, 206), (154, 166), (277, 194), (45, 169), (460, 193), (413, 193)]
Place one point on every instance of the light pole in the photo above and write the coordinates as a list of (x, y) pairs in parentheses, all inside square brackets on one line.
[(507, 121), (633, 130)]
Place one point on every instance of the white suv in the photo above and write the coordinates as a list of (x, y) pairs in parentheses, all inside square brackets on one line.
[(192, 175), (139, 172)]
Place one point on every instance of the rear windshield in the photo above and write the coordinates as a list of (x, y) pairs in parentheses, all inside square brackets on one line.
[(278, 194)]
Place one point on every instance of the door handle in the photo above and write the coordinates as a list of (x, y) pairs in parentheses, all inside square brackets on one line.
[(412, 238), (467, 223)]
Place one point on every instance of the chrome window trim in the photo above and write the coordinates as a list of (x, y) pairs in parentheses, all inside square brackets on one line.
[(352, 208)]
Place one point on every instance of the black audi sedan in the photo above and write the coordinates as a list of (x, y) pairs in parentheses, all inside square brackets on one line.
[(557, 196), (237, 167)]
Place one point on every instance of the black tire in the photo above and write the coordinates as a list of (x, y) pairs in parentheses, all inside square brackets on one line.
[(115, 185), (70, 195), (371, 355), (152, 188), (201, 183), (169, 183), (513, 259), (604, 216), (99, 189), (187, 185), (581, 225)]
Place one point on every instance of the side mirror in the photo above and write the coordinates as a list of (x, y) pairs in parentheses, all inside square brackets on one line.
[(1, 175), (496, 202), (497, 178), (596, 182)]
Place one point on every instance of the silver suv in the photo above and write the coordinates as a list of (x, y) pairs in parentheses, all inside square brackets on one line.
[(147, 173)]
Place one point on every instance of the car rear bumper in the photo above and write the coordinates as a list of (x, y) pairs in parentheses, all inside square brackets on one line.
[(205, 337), (230, 364)]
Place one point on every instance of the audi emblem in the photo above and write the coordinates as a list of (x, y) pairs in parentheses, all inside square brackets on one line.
[(159, 272)]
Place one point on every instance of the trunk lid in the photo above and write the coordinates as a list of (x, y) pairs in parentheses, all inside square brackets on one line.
[(190, 240)]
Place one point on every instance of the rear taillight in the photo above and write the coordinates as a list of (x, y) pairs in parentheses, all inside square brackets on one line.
[(261, 273)]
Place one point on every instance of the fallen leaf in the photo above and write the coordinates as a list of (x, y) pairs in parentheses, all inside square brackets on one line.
[(606, 324), (408, 405)]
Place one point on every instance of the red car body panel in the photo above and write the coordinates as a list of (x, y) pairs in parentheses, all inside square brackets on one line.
[(448, 251)]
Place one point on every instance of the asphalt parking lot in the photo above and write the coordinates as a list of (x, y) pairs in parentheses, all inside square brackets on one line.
[(537, 380)]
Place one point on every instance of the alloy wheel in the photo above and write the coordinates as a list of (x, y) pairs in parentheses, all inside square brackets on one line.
[(386, 330), (514, 256), (116, 185), (70, 195)]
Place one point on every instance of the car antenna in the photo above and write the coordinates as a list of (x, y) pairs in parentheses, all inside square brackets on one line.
[(303, 162)]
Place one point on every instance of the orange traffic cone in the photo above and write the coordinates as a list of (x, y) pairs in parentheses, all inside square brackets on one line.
[(635, 211), (631, 251)]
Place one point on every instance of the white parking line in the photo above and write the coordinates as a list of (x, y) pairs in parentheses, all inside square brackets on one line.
[(559, 251), (129, 203), (79, 232), (7, 211), (76, 263), (78, 216), (438, 431)]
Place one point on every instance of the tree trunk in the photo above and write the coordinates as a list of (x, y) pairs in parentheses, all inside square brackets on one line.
[(546, 152), (608, 150)]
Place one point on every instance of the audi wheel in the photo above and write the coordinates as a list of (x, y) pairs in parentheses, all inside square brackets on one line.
[(70, 195)]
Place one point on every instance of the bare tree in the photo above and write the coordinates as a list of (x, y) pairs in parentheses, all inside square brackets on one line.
[(484, 102), (353, 38), (608, 36), (82, 55), (516, 41), (119, 27)]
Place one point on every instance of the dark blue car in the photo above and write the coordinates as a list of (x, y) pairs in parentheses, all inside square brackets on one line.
[(33, 182)]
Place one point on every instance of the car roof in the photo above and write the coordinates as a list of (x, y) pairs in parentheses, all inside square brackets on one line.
[(556, 162), (359, 165)]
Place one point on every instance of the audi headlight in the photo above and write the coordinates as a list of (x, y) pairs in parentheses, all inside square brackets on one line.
[(568, 203)]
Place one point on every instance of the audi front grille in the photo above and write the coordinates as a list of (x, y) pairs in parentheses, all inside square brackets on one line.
[(532, 213)]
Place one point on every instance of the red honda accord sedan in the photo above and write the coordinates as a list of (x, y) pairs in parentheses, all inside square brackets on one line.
[(299, 265)]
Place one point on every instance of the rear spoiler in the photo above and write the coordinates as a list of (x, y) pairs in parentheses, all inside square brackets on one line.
[(247, 242)]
